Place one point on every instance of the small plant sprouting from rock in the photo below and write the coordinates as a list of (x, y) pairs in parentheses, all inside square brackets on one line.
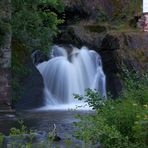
[(53, 134)]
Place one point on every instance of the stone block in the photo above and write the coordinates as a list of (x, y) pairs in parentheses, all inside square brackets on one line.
[(5, 88)]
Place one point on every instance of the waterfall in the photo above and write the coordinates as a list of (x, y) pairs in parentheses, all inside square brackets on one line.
[(71, 71)]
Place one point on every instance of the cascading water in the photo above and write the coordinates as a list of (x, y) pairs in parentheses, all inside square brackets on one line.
[(70, 72)]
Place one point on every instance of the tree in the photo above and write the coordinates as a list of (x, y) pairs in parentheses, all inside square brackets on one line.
[(35, 22)]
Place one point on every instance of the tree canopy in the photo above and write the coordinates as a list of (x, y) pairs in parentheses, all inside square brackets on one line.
[(35, 22)]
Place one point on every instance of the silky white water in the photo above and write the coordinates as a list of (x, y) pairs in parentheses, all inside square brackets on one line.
[(69, 72)]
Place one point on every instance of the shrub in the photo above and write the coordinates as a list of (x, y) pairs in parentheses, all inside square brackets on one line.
[(1, 139), (118, 123), (34, 22)]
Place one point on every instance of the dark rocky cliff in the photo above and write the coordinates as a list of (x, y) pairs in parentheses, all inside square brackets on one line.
[(27, 81), (118, 48), (90, 8)]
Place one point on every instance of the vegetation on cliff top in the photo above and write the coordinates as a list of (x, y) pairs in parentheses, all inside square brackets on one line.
[(124, 18)]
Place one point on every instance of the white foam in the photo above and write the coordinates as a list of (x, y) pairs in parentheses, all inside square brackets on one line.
[(71, 73)]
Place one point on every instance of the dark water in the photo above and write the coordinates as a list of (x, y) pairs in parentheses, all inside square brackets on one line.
[(44, 121)]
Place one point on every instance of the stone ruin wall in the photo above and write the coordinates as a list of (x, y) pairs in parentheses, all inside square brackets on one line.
[(5, 55)]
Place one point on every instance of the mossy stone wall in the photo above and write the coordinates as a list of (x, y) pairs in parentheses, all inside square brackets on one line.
[(5, 55)]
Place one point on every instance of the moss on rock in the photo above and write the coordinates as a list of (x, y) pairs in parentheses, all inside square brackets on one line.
[(96, 28)]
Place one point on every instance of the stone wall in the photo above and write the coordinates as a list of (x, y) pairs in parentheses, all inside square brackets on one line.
[(5, 88), (5, 54)]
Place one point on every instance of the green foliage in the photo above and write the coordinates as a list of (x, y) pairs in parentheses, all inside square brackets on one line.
[(22, 137), (20, 133), (102, 16), (118, 123), (4, 22), (122, 16), (17, 131), (19, 71), (136, 86), (68, 142), (126, 9), (1, 139), (93, 98), (34, 23)]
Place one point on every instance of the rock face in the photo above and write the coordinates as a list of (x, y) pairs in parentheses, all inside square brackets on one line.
[(32, 93), (117, 49), (5, 54), (33, 86), (85, 9), (38, 57), (27, 81)]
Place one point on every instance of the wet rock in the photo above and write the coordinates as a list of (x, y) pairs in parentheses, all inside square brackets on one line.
[(79, 35), (118, 50), (110, 42), (38, 57), (68, 36), (111, 69), (32, 94), (98, 145), (56, 138)]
